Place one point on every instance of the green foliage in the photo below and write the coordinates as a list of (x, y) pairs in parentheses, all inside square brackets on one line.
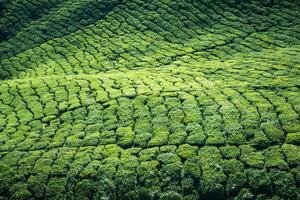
[(251, 157), (293, 138), (230, 151), (235, 182), (186, 151), (161, 99), (125, 136), (284, 184), (275, 158), (259, 180), (170, 196), (37, 184), (292, 154)]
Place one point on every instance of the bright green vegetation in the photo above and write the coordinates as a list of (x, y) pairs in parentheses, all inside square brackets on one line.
[(140, 99)]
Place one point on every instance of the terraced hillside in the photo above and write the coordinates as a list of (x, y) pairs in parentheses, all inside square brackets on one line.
[(150, 99)]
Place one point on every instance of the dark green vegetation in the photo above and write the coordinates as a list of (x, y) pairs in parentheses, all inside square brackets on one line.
[(140, 99)]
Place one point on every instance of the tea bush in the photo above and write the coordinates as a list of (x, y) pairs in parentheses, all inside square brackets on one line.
[(142, 99)]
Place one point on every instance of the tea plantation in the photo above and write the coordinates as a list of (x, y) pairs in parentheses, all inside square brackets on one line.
[(150, 99)]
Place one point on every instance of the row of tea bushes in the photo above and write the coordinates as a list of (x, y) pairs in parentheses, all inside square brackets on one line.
[(167, 172)]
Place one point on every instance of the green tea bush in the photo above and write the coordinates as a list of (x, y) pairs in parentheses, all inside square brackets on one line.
[(149, 99)]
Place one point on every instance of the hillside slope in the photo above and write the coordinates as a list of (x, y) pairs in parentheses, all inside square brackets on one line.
[(139, 99)]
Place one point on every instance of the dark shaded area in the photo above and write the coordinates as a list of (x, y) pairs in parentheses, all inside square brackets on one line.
[(34, 21)]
